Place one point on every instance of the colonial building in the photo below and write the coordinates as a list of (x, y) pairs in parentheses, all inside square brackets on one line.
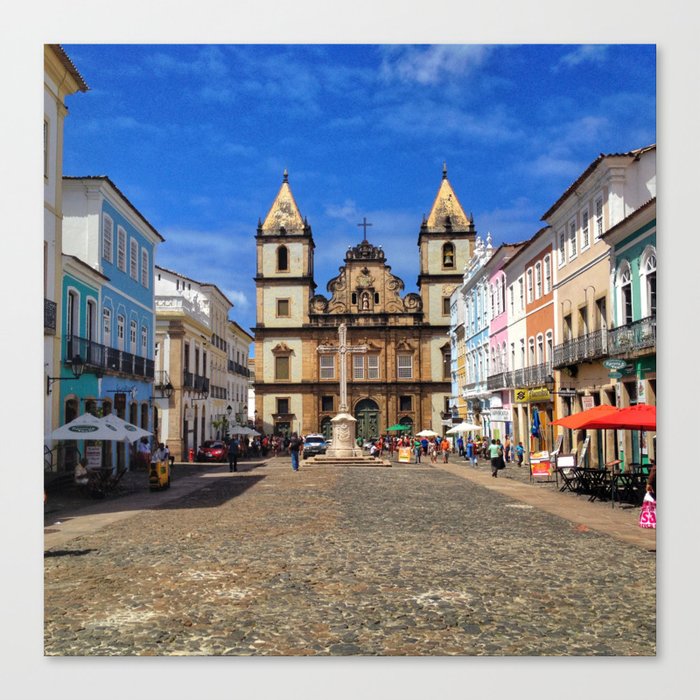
[(104, 230), (404, 374), (607, 193), (201, 362), (61, 79)]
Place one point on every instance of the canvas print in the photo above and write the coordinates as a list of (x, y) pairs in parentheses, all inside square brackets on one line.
[(349, 350)]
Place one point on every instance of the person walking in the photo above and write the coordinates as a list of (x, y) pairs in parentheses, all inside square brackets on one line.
[(294, 447), (432, 451), (494, 454), (445, 448), (460, 446), (417, 449), (520, 451), (506, 449), (233, 455)]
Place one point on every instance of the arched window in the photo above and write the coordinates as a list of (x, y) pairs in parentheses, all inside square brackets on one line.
[(648, 273), (531, 352), (448, 255), (624, 285), (540, 349), (538, 280), (282, 259), (549, 345)]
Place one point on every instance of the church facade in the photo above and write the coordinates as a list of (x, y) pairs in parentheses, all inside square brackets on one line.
[(403, 373)]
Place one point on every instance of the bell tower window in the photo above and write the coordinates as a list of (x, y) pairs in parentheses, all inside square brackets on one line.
[(448, 255), (282, 259)]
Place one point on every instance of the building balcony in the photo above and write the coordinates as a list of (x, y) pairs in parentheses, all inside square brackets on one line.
[(633, 338), (195, 383), (534, 375), (218, 392), (50, 310), (503, 380), (585, 348), (101, 359), (238, 368)]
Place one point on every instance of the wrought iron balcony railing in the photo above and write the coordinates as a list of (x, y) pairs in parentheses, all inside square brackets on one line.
[(49, 315), (502, 380), (633, 337), (534, 375), (584, 348), (195, 383), (101, 359)]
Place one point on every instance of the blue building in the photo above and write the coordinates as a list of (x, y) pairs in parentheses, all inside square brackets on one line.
[(114, 329)]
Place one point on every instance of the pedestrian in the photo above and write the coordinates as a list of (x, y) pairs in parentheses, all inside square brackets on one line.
[(233, 455), (417, 449), (432, 451), (520, 451), (169, 457), (651, 480), (494, 454), (460, 446), (506, 449), (294, 447), (445, 448), (143, 453)]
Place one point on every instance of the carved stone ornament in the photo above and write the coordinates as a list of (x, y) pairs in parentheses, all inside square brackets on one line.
[(282, 349), (412, 302), (364, 279), (318, 304)]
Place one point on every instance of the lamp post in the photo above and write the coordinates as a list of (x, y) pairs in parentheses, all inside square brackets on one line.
[(77, 366)]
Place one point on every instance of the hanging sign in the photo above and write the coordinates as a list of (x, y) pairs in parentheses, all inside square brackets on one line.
[(614, 364), (587, 402), (522, 395)]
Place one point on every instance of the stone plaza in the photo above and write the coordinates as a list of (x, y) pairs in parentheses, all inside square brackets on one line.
[(413, 560)]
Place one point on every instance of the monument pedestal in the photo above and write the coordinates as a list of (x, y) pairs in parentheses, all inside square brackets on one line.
[(344, 437)]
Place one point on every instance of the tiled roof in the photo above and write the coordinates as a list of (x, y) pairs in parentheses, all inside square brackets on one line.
[(106, 179), (637, 212), (630, 154), (65, 60)]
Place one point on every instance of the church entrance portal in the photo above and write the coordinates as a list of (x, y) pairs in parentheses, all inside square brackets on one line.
[(367, 416)]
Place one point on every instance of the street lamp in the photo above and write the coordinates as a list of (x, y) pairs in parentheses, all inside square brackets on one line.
[(77, 366)]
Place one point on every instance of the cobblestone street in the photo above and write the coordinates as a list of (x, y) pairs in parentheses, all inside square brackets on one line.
[(408, 560)]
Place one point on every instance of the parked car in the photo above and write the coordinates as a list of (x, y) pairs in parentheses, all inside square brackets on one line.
[(212, 451), (314, 445)]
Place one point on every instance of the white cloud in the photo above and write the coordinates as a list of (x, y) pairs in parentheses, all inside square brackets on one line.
[(433, 64), (588, 53), (238, 298)]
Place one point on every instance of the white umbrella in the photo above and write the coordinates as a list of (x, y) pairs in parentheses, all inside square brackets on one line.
[(238, 430), (86, 427), (464, 428), (127, 431), (427, 433)]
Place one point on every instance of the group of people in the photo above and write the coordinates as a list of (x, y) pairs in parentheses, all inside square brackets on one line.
[(144, 455)]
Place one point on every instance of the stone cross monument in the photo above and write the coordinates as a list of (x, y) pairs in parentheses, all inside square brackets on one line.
[(343, 423)]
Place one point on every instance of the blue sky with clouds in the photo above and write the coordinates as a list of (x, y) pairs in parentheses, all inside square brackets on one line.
[(198, 136)]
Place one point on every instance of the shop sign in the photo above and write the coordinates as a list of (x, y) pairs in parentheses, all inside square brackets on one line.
[(540, 393), (614, 364), (93, 454), (628, 369), (522, 395), (501, 414), (615, 375), (587, 402)]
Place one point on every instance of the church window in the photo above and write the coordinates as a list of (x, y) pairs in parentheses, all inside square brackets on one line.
[(445, 306), (327, 403), (283, 308), (373, 366), (282, 259), (405, 403), (448, 255), (376, 297), (405, 366), (358, 367), (282, 368), (327, 363), (446, 365), (282, 405)]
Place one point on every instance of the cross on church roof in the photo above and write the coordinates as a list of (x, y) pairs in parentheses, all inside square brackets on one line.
[(364, 224)]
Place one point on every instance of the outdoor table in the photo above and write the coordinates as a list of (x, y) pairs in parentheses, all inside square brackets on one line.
[(628, 487), (597, 483)]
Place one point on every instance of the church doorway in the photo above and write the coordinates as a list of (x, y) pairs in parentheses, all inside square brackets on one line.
[(367, 416)]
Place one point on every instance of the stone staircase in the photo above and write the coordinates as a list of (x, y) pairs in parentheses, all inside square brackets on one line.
[(360, 461)]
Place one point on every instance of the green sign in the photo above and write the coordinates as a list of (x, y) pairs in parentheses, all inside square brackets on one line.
[(614, 364), (615, 375)]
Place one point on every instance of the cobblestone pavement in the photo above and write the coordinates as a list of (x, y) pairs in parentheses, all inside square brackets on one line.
[(412, 560)]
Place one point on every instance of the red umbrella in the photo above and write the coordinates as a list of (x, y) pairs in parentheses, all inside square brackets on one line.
[(578, 421), (639, 417)]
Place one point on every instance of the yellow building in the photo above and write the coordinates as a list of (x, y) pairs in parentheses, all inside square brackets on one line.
[(404, 375)]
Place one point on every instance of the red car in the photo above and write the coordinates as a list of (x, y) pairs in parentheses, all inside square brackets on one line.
[(212, 451)]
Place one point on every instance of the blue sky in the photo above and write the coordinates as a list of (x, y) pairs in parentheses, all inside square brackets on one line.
[(198, 136)]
